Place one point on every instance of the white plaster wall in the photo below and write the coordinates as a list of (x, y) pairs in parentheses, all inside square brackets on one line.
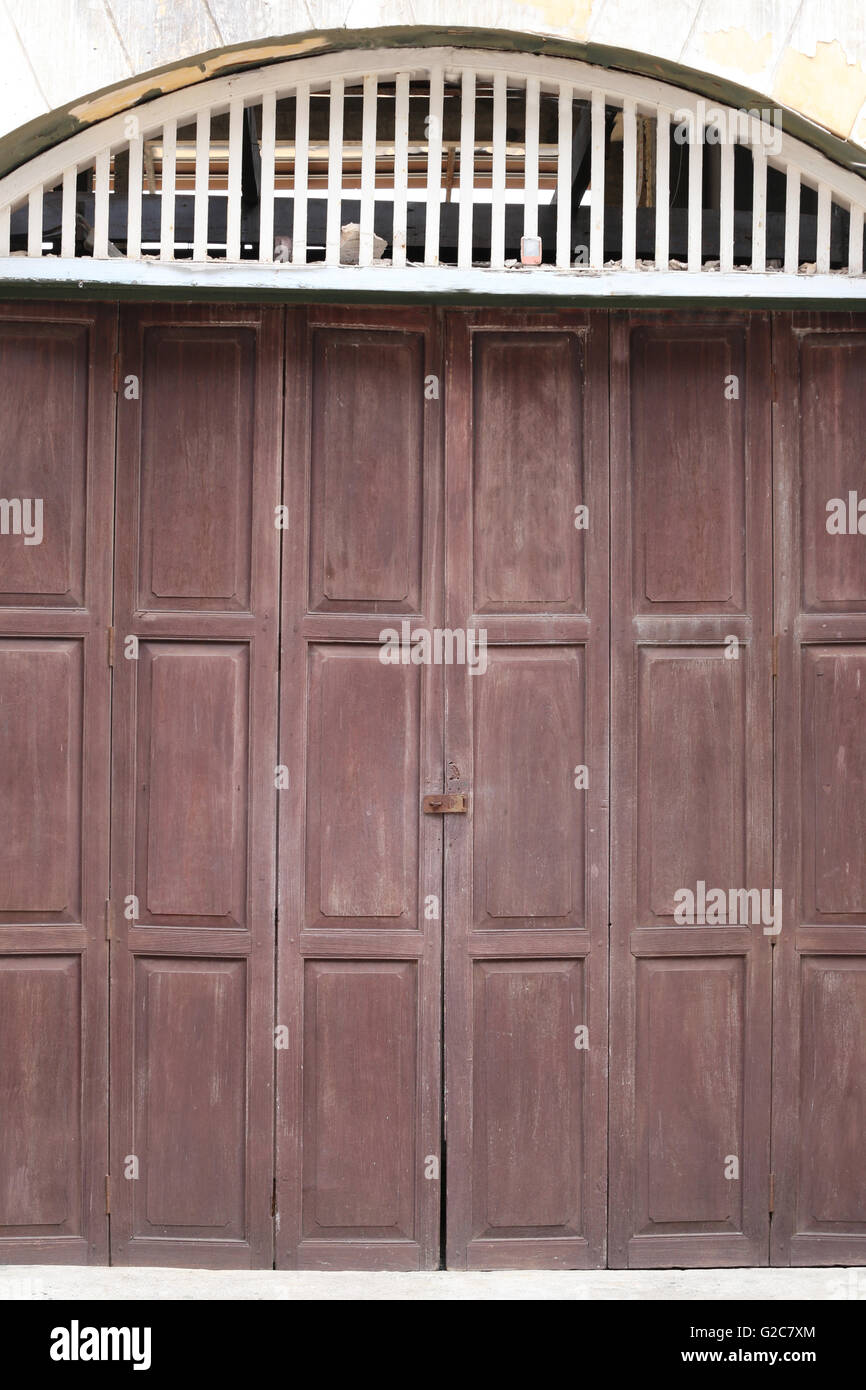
[(807, 54)]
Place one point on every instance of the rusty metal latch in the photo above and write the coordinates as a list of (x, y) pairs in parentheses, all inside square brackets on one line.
[(444, 804)]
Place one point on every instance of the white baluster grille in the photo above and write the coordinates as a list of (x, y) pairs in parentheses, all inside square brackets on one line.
[(431, 159)]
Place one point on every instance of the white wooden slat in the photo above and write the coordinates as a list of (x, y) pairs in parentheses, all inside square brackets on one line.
[(166, 225), (497, 205), (368, 170), (101, 172), (202, 186), (467, 169), (401, 168), (759, 205), (564, 177), (67, 211), (792, 219), (696, 195), (726, 204), (266, 188), (301, 173), (629, 183), (34, 222), (855, 241), (434, 167), (663, 188), (335, 173), (236, 152), (133, 200), (530, 164), (5, 224), (822, 254), (596, 184)]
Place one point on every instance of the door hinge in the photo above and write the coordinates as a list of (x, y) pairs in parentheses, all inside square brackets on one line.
[(774, 386), (274, 1199), (111, 646), (775, 655), (107, 1195), (116, 373), (772, 1193), (108, 919)]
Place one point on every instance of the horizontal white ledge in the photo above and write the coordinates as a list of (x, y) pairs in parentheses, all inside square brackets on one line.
[(22, 273)]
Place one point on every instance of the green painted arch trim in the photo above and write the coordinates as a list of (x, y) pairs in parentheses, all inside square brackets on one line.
[(51, 129)]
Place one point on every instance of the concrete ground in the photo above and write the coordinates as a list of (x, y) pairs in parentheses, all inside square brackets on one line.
[(34, 1282)]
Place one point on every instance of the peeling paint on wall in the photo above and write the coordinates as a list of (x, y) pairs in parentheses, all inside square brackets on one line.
[(826, 87), (569, 17), (100, 107), (737, 51)]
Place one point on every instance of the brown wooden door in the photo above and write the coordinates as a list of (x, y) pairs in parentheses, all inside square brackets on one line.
[(194, 800), (435, 468), (525, 922), (820, 988), (56, 467), (691, 789), (358, 1124)]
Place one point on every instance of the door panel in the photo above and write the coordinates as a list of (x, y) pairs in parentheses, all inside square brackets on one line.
[(691, 779), (526, 869), (195, 750), (359, 991), (56, 453), (820, 1001)]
